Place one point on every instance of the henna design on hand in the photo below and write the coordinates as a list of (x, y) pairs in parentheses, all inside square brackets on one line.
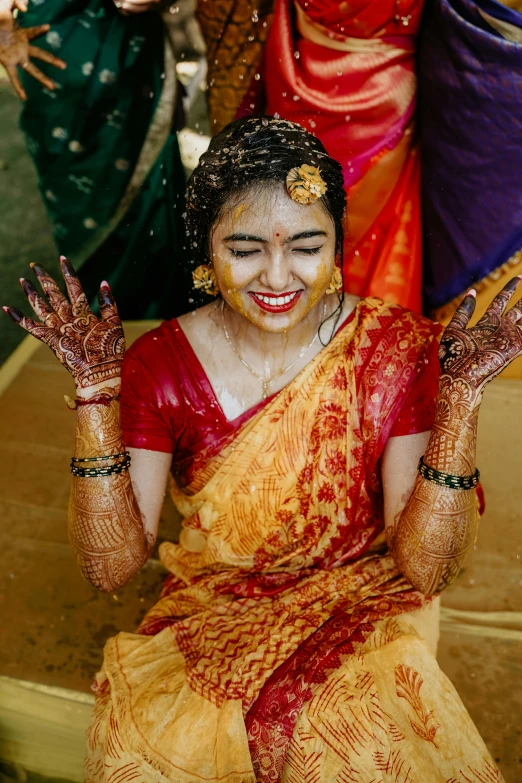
[(17, 51), (438, 526), (91, 349), (472, 356), (105, 523)]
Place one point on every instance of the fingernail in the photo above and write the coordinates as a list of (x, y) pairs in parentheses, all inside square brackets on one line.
[(105, 283), (472, 292), (63, 258), (105, 296), (15, 314), (27, 286)]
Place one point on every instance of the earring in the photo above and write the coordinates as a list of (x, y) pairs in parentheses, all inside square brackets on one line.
[(336, 283), (205, 280)]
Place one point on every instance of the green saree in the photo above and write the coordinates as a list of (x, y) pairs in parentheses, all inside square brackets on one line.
[(106, 152)]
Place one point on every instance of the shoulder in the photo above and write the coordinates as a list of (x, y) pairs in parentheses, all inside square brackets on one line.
[(386, 318), (153, 359)]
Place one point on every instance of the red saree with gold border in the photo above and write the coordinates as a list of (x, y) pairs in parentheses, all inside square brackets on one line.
[(290, 648)]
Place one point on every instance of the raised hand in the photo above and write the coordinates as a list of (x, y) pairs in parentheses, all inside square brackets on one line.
[(90, 348), (471, 357), (16, 50)]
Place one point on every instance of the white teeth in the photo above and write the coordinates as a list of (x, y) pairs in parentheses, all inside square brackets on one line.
[(279, 300)]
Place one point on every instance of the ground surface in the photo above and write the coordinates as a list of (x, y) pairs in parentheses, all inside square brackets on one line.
[(25, 235)]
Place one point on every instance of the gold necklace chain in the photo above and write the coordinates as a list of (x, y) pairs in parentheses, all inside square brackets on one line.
[(265, 384)]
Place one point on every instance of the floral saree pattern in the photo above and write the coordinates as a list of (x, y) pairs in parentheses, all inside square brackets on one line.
[(290, 648)]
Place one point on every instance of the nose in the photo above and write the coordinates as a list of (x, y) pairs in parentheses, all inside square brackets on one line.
[(277, 274)]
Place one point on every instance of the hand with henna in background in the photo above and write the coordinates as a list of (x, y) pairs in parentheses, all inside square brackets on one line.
[(17, 51), (106, 526), (431, 536)]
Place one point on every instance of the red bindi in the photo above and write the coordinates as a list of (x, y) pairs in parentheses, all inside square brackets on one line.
[(277, 235)]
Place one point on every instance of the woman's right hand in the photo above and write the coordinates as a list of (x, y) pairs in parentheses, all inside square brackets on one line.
[(16, 51), (90, 348)]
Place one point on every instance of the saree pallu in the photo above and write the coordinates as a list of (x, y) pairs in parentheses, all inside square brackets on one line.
[(471, 114), (106, 154), (289, 648), (346, 72)]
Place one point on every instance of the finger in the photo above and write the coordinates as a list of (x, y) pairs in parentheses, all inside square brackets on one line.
[(35, 32), (42, 309), (36, 73), (58, 301), (515, 313), (500, 302), (21, 5), (41, 332), (108, 309), (80, 305), (464, 311), (46, 57), (17, 84)]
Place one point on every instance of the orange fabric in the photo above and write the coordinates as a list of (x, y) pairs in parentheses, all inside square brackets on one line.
[(292, 622), (346, 72), (387, 259)]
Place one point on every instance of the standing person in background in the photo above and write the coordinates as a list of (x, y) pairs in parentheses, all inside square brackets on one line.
[(101, 133), (471, 113), (346, 72)]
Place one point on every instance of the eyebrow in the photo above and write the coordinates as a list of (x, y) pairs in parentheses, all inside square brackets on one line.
[(252, 238)]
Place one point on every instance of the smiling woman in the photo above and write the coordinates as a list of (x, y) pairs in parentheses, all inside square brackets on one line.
[(294, 635)]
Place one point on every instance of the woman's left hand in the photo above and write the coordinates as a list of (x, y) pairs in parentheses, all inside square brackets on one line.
[(478, 354), (16, 51)]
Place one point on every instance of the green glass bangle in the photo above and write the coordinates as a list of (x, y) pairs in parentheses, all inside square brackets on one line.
[(77, 460), (446, 479), (105, 470)]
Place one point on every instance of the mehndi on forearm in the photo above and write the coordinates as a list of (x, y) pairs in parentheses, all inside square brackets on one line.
[(105, 523), (438, 526)]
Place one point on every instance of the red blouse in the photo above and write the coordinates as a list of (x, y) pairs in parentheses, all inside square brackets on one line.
[(169, 405)]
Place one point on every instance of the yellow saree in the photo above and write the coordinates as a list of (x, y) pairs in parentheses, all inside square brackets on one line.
[(290, 649)]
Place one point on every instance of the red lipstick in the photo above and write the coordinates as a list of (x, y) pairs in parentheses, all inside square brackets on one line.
[(261, 300)]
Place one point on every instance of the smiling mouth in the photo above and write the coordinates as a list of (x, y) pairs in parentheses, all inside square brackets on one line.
[(276, 303)]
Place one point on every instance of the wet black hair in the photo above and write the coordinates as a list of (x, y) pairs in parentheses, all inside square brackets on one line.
[(254, 151)]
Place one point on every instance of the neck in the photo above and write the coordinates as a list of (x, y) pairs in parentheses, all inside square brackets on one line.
[(268, 352)]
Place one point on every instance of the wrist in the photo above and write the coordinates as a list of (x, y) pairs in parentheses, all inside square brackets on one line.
[(109, 387), (460, 392)]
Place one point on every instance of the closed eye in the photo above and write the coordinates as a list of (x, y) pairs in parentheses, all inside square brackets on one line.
[(309, 251), (242, 253)]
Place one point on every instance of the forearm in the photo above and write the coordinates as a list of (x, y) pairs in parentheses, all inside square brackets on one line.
[(438, 526), (105, 524)]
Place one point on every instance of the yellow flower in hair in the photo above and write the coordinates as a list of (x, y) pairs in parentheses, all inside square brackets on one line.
[(304, 184), (205, 280)]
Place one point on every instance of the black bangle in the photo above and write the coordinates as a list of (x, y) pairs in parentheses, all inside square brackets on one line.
[(76, 460), (446, 479), (106, 470)]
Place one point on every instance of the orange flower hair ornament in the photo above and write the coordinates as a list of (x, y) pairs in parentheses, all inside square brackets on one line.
[(304, 184), (205, 280)]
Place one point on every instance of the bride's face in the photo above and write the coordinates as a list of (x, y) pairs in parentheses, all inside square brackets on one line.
[(273, 258)]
